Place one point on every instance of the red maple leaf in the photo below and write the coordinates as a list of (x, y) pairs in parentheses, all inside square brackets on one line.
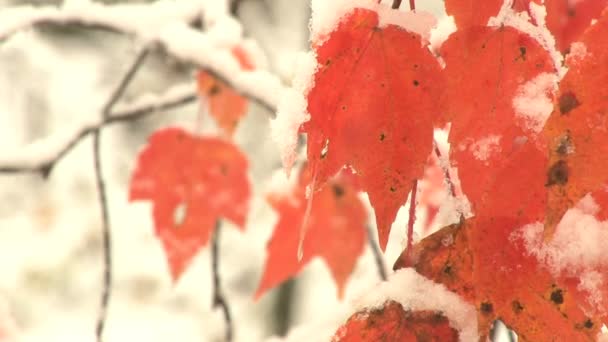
[(393, 323), (487, 130), (226, 105), (192, 183), (335, 231), (372, 108)]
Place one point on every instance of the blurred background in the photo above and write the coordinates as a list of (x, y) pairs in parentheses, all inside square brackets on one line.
[(50, 230)]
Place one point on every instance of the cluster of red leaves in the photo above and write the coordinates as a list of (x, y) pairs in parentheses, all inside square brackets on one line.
[(374, 105), (377, 96)]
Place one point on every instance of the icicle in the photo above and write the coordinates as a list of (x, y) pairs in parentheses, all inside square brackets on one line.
[(304, 228)]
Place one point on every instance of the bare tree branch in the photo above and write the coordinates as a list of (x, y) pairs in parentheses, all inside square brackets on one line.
[(43, 154), (219, 301), (101, 189)]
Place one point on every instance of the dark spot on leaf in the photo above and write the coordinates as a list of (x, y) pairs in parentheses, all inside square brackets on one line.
[(517, 307), (588, 324), (338, 190), (415, 66), (327, 62), (522, 52), (382, 136), (393, 189), (343, 107), (486, 308), (382, 85), (447, 269), (557, 296), (565, 145), (567, 102), (416, 83), (483, 46), (557, 174), (224, 170), (571, 12), (214, 90)]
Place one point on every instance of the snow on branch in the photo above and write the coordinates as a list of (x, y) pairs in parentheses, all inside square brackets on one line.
[(164, 23), (141, 20), (42, 154), (167, 23)]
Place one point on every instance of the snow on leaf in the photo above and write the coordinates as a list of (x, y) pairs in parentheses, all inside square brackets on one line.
[(393, 323), (336, 231), (416, 293), (372, 108), (576, 130), (503, 281), (226, 105), (486, 129), (576, 253), (534, 101), (567, 20), (469, 13), (192, 182)]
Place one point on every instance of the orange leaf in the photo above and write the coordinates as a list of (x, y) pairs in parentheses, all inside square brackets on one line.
[(226, 105), (192, 182), (393, 323), (576, 131), (335, 231), (372, 107), (478, 260)]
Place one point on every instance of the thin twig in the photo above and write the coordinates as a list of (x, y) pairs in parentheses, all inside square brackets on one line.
[(218, 297), (446, 170), (413, 5), (377, 253), (411, 220), (396, 4), (45, 161), (101, 189)]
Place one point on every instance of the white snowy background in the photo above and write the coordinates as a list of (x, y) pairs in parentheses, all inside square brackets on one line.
[(50, 230)]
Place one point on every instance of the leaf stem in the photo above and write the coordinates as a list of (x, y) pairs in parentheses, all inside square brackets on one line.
[(218, 298), (413, 5), (411, 220), (101, 189), (377, 253), (397, 3), (446, 170)]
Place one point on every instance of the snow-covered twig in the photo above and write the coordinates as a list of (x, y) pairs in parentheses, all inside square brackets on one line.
[(42, 154), (167, 23), (101, 190), (140, 20), (218, 297)]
